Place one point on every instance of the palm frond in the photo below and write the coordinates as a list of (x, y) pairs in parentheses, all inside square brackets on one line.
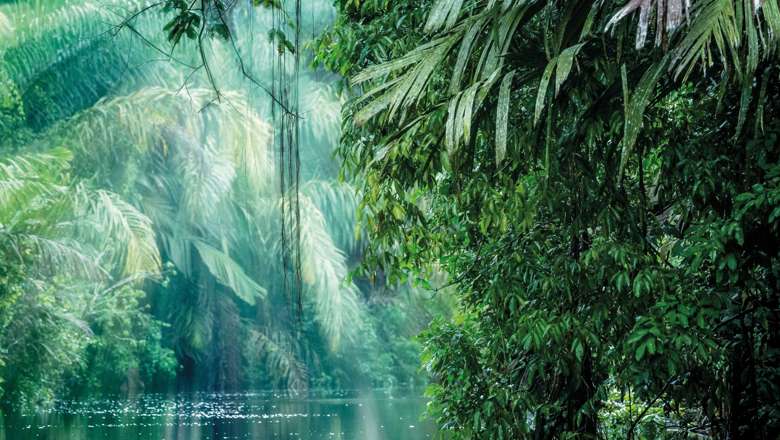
[(36, 164), (115, 127), (635, 106), (278, 353), (206, 177), (61, 58), (6, 27), (723, 25), (63, 255), (131, 233), (192, 315), (321, 108), (669, 13), (495, 25), (26, 176), (129, 127), (461, 110), (421, 63), (735, 34), (229, 273), (324, 271), (246, 137), (502, 116), (40, 32), (715, 22), (444, 14), (37, 213), (338, 204), (230, 136)]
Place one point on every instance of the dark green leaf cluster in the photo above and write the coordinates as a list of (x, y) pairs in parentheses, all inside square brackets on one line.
[(185, 21), (209, 18), (606, 209)]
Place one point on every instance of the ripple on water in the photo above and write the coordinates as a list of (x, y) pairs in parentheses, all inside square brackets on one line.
[(260, 415)]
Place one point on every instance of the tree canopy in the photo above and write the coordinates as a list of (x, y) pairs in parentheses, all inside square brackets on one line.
[(599, 181)]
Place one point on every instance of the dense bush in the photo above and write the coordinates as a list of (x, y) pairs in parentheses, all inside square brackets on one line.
[(605, 205)]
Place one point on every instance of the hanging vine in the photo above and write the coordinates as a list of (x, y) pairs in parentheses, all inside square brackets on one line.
[(286, 119), (199, 20)]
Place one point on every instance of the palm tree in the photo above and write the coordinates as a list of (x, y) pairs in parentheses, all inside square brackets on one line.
[(715, 36), (65, 242), (199, 177), (74, 229)]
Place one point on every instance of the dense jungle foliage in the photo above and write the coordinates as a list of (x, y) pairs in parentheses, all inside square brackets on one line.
[(139, 214), (596, 183), (600, 181)]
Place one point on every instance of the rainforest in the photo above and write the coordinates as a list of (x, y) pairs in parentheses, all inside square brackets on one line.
[(375, 219)]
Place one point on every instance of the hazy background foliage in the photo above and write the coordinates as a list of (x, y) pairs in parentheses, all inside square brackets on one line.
[(140, 211)]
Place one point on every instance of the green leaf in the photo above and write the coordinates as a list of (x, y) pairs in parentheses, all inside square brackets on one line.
[(731, 261), (542, 92), (635, 108), (229, 273), (579, 350), (565, 61), (464, 53), (220, 30), (640, 352), (502, 116), (444, 14)]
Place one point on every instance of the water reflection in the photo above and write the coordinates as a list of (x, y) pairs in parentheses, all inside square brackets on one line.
[(195, 416)]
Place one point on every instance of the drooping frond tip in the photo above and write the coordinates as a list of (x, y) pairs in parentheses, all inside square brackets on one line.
[(128, 226), (6, 27), (279, 353), (324, 267), (229, 273), (444, 14), (28, 175), (669, 15)]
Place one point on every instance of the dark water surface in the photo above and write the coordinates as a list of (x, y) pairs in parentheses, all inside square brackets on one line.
[(205, 416)]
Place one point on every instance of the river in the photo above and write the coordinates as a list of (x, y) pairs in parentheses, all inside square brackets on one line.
[(370, 415)]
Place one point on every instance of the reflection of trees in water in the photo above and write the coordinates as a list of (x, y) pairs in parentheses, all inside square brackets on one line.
[(199, 416), (222, 428)]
